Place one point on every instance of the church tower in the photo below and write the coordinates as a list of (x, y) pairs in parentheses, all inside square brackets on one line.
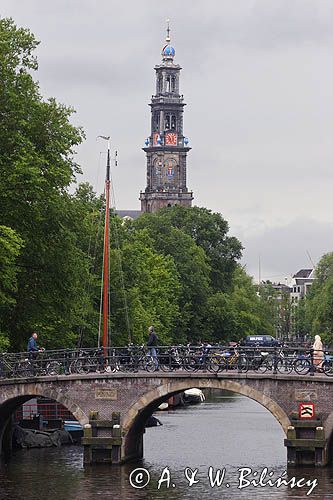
[(166, 147)]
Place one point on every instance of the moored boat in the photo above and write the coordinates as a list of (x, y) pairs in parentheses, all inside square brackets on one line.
[(193, 396)]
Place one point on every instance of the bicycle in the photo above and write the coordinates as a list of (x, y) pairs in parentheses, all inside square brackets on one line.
[(138, 359), (33, 366), (304, 365), (228, 360), (9, 366)]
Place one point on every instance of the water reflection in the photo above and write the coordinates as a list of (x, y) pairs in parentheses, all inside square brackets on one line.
[(226, 432)]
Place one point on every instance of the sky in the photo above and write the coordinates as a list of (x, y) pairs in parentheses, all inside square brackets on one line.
[(257, 78)]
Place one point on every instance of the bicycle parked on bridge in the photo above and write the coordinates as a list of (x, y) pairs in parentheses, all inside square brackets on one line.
[(9, 366), (88, 361), (305, 365), (40, 365), (213, 359), (137, 358)]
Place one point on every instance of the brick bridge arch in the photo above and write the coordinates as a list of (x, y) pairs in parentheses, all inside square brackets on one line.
[(16, 395), (134, 421)]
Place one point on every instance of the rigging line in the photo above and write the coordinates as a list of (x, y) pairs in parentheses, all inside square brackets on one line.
[(101, 294), (91, 256), (121, 270)]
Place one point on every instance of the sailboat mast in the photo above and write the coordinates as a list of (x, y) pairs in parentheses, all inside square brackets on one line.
[(106, 254)]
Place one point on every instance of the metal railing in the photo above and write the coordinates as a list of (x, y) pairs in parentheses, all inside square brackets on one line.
[(187, 358), (49, 411)]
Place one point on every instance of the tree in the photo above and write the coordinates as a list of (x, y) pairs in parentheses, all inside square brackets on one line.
[(37, 166), (210, 232), (10, 247), (237, 313), (319, 301), (151, 284), (192, 266)]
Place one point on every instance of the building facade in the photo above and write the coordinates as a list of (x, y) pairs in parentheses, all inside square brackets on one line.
[(302, 282), (166, 147)]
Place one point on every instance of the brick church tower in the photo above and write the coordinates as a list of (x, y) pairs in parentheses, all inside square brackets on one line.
[(166, 147)]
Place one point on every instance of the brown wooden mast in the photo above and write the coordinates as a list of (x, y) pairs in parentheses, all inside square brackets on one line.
[(106, 252)]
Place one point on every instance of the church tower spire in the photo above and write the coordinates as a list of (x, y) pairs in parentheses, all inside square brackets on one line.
[(166, 147)]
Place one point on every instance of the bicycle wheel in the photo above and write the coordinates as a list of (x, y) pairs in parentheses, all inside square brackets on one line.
[(165, 362), (215, 364), (149, 364), (269, 361), (53, 368), (165, 367), (190, 364), (242, 363), (302, 366), (327, 367), (263, 366), (25, 369), (284, 366), (82, 365), (113, 364)]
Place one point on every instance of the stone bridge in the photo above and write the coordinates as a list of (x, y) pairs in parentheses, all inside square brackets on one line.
[(113, 408)]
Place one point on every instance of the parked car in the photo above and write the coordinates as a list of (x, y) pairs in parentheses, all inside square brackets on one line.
[(260, 341)]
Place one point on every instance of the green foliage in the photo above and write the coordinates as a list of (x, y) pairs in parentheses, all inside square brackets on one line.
[(10, 247), (152, 288), (233, 315), (319, 302), (209, 231), (192, 267)]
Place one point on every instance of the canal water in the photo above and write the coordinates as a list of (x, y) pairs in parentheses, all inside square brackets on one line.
[(230, 434)]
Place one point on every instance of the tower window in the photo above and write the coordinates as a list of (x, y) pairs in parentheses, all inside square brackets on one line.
[(168, 84), (173, 84), (156, 121), (173, 122), (160, 84), (167, 122)]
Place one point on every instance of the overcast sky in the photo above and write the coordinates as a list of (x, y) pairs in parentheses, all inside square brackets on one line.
[(258, 81)]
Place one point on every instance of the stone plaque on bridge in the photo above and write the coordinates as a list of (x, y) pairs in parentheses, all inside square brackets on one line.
[(306, 394), (102, 393)]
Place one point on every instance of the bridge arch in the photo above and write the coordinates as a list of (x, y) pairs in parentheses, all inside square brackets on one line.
[(134, 421), (15, 395)]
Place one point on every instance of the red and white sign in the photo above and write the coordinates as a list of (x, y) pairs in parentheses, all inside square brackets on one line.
[(306, 411)]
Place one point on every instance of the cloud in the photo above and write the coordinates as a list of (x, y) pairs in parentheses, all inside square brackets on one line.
[(285, 249)]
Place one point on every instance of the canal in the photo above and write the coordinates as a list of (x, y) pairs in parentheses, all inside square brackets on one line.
[(229, 433)]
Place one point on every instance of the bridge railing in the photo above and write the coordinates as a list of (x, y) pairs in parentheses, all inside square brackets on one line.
[(187, 358)]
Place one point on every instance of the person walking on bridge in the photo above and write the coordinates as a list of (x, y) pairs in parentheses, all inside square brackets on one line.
[(32, 346), (152, 344), (318, 352)]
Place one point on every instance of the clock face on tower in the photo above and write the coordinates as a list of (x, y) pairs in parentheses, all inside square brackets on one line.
[(171, 139)]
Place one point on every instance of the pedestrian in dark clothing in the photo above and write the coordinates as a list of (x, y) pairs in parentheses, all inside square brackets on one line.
[(152, 344)]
